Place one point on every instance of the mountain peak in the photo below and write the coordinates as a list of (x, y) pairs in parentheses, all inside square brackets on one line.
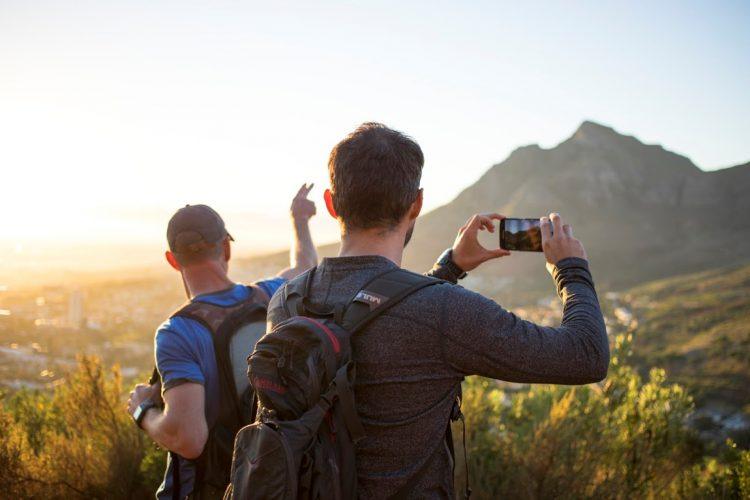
[(597, 135), (589, 129), (614, 189)]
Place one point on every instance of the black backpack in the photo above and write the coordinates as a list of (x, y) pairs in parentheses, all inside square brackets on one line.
[(234, 331), (302, 444)]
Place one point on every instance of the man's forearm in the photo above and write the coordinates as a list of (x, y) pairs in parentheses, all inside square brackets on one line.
[(165, 431), (153, 424), (482, 338), (581, 310), (303, 255)]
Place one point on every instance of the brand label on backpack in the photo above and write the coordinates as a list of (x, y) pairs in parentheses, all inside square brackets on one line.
[(372, 299)]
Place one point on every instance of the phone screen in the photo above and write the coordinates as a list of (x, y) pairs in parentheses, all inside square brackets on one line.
[(522, 235)]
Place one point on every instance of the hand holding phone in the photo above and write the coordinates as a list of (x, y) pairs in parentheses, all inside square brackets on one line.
[(558, 241), (549, 235), (468, 253)]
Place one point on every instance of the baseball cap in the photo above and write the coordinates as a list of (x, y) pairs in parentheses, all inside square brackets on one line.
[(194, 228)]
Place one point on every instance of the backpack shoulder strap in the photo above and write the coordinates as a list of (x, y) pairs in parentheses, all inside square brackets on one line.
[(295, 293), (212, 316), (257, 295), (380, 294), (155, 375), (209, 315)]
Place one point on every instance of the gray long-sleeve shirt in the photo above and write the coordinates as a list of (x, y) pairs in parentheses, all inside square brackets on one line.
[(411, 361)]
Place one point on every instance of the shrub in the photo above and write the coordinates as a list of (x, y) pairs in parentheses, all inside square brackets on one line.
[(624, 437), (77, 441)]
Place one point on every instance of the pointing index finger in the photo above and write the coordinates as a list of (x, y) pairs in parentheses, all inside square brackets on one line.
[(304, 190)]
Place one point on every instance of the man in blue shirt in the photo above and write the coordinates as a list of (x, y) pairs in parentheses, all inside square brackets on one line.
[(200, 249)]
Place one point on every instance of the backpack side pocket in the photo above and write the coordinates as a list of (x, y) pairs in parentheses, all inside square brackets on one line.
[(263, 465)]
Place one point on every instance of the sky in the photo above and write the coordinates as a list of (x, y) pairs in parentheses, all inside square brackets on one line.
[(113, 114)]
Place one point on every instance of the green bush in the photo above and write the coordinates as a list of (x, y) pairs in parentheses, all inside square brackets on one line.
[(77, 441), (623, 438), (726, 477)]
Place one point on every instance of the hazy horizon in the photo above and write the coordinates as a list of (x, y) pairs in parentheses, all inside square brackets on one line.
[(40, 261)]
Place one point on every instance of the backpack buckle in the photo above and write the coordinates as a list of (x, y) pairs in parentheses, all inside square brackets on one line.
[(338, 314)]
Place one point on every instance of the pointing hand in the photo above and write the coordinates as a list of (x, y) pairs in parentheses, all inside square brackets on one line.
[(303, 209)]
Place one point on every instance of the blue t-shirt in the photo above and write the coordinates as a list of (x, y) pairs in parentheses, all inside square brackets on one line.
[(185, 353)]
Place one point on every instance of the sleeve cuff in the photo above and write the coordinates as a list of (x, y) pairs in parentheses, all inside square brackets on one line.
[(572, 270), (169, 384), (442, 273), (569, 262)]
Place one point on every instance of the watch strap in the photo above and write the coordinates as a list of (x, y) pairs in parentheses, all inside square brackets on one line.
[(143, 408), (451, 264), (446, 269)]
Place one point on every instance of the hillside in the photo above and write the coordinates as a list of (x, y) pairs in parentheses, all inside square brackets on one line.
[(698, 328), (642, 211)]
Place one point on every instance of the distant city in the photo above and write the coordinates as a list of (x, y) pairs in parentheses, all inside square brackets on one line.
[(44, 328)]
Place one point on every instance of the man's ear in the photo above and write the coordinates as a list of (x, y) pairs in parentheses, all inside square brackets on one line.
[(416, 207), (328, 197), (172, 260), (227, 249)]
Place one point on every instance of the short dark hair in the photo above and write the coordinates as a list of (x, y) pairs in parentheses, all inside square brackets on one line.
[(375, 173)]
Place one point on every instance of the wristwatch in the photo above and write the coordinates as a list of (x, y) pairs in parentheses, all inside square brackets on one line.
[(140, 412), (446, 261)]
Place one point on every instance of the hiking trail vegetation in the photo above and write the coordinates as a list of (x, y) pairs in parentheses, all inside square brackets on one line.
[(624, 437)]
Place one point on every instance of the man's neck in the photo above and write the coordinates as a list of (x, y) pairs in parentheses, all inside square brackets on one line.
[(203, 280), (388, 244)]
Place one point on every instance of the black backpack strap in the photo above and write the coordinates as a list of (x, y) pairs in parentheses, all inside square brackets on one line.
[(155, 377), (380, 294), (458, 416), (342, 388), (296, 292), (176, 481)]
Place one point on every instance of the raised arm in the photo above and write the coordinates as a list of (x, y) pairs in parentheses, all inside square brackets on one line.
[(480, 337), (303, 254)]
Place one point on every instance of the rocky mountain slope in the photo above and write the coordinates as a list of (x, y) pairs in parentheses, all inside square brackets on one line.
[(642, 211)]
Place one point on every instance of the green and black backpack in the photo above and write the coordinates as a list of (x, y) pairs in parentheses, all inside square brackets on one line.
[(302, 444), (234, 330)]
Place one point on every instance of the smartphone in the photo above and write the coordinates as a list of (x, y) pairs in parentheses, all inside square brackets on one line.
[(524, 235)]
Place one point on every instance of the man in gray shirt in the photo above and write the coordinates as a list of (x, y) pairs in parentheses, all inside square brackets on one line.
[(411, 359)]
